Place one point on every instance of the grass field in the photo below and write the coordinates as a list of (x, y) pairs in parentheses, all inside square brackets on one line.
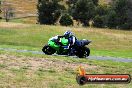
[(27, 70), (116, 43)]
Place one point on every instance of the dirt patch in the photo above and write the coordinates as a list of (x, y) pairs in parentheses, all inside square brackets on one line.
[(34, 63), (13, 25)]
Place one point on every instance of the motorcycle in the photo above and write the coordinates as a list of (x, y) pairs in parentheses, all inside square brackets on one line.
[(57, 46)]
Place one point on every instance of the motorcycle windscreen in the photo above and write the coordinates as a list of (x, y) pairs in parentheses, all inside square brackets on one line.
[(64, 41)]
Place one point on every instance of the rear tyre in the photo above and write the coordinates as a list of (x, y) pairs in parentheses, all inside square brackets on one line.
[(48, 50), (84, 53), (87, 52)]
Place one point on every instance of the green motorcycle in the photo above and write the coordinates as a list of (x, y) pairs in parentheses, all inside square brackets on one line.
[(57, 46)]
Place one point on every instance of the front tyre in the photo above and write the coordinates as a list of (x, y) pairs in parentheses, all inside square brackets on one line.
[(48, 50)]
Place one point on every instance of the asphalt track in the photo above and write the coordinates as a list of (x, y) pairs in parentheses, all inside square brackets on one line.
[(90, 57)]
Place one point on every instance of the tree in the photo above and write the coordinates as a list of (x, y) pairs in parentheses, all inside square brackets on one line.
[(95, 2), (112, 19), (48, 11), (129, 14), (123, 9), (98, 21), (66, 20), (83, 10), (8, 12), (0, 10), (101, 10), (71, 2)]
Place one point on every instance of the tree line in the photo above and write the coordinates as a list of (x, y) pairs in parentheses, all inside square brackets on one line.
[(117, 14), (0, 10)]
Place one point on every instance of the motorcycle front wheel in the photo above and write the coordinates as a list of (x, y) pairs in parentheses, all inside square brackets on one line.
[(48, 50)]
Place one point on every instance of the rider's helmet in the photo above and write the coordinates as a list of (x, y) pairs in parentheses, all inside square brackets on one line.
[(68, 34)]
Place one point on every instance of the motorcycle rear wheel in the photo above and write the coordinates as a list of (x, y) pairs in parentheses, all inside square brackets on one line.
[(87, 52), (84, 53)]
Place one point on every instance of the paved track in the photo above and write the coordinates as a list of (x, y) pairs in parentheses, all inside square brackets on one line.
[(90, 57)]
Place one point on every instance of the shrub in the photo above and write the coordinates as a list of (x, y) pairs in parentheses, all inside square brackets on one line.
[(66, 20), (98, 21)]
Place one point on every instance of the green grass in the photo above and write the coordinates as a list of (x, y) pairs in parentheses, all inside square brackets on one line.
[(27, 76), (2, 66), (115, 43), (27, 70), (120, 54)]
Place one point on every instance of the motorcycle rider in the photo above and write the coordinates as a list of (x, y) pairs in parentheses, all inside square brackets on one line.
[(71, 39)]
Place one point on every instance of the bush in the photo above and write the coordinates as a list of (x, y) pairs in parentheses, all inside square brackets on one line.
[(98, 21), (66, 20), (126, 25), (112, 19)]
